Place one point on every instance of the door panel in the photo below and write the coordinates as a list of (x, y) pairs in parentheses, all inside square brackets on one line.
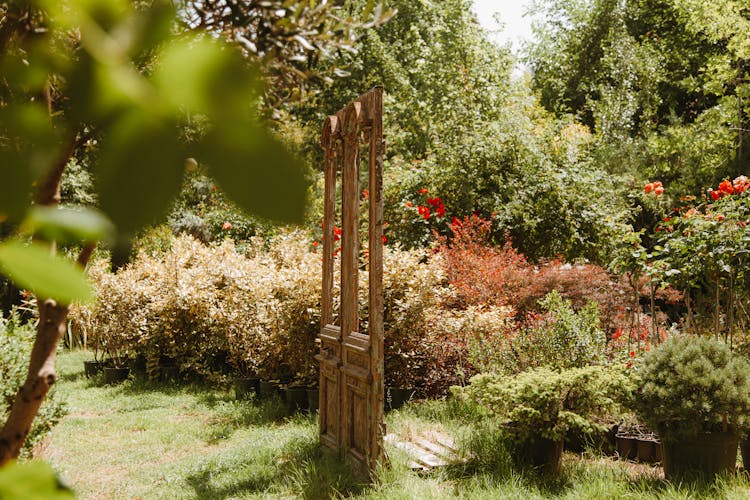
[(351, 362)]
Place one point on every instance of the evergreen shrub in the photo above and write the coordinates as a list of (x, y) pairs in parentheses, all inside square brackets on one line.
[(547, 403), (691, 385)]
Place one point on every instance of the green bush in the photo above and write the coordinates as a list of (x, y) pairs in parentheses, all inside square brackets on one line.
[(545, 403), (559, 337), (690, 385), (16, 339), (209, 306)]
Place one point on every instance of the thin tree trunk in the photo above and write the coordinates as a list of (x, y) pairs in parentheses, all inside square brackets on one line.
[(41, 375), (730, 318), (654, 326), (716, 312)]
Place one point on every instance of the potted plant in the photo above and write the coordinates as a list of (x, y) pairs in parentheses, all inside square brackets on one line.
[(82, 320), (246, 380), (116, 365), (537, 408), (92, 367), (695, 392)]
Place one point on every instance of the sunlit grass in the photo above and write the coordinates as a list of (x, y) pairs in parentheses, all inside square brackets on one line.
[(140, 440)]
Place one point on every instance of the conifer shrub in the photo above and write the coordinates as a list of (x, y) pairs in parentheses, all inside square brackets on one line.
[(691, 385), (547, 403)]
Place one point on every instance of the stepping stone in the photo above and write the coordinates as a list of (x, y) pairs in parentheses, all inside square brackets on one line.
[(426, 452)]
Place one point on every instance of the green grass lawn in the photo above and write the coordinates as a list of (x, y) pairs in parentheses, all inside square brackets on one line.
[(140, 440)]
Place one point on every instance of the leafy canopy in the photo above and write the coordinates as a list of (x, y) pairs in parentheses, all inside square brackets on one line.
[(109, 76)]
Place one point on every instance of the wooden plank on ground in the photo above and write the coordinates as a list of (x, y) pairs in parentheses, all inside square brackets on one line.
[(425, 454)]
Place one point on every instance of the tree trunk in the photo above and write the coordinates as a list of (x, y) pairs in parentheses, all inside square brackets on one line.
[(40, 378), (51, 328), (41, 375)]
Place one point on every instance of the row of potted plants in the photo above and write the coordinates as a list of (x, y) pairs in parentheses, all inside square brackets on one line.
[(306, 397), (693, 391)]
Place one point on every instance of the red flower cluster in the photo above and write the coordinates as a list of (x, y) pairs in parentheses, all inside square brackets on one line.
[(738, 185), (336, 233), (655, 187), (433, 205), (437, 204), (424, 212)]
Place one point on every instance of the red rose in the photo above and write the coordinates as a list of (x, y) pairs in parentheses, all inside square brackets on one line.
[(726, 187), (648, 187)]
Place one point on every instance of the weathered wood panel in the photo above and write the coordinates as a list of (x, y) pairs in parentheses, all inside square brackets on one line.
[(351, 376)]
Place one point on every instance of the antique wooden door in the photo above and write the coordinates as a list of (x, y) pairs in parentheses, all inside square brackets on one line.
[(351, 360)]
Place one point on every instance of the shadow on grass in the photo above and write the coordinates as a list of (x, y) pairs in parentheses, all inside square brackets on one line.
[(231, 416), (300, 467), (486, 453), (71, 376)]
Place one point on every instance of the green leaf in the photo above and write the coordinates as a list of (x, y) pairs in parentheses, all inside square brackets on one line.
[(67, 225), (15, 188), (28, 150), (33, 267), (33, 480), (256, 172), (201, 76), (140, 171)]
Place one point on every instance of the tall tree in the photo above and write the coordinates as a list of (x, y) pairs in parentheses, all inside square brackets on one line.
[(662, 82)]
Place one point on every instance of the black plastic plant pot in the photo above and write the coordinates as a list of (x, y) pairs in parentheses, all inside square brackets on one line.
[(244, 386), (701, 457), (313, 399), (169, 373), (116, 375), (646, 449), (296, 399), (745, 452), (541, 453), (92, 368), (396, 397), (268, 389), (627, 447), (137, 365)]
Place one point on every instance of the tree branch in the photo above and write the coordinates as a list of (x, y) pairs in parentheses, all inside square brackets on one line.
[(41, 375)]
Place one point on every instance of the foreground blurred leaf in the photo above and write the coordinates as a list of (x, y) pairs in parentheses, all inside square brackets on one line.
[(257, 172), (33, 480), (28, 146), (33, 267), (66, 225), (201, 76), (140, 171)]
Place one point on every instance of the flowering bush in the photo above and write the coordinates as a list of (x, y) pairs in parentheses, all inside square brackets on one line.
[(702, 250)]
